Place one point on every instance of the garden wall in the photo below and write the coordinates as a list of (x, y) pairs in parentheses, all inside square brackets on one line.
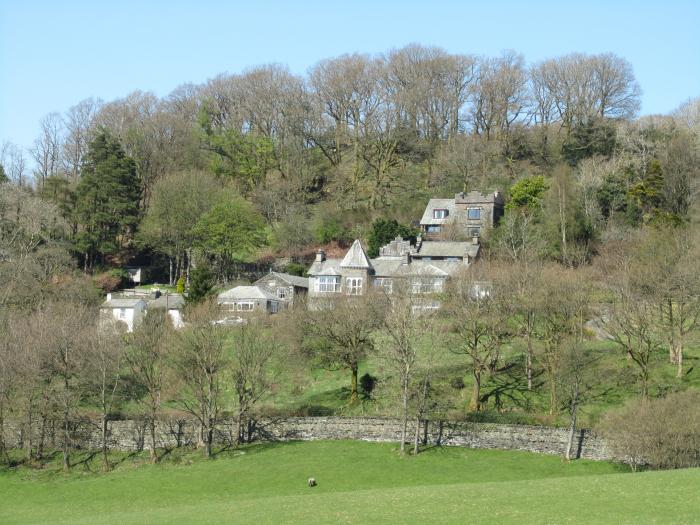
[(133, 434)]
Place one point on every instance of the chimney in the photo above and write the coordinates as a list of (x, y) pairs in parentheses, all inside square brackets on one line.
[(407, 258), (320, 256), (109, 296), (475, 240), (419, 242)]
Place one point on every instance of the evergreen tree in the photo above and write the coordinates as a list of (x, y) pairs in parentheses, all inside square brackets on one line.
[(201, 284), (107, 200), (384, 231), (3, 175)]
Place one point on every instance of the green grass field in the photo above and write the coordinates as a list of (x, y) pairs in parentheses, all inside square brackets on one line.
[(357, 483)]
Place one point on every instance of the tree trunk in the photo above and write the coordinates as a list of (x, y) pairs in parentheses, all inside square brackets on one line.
[(105, 458), (528, 361), (353, 385), (416, 437), (152, 428), (404, 415), (171, 282), (66, 438), (572, 425), (552, 394), (475, 401)]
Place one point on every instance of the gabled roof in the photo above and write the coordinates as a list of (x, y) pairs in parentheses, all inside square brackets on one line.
[(438, 204), (294, 280), (122, 303), (245, 292), (356, 257), (170, 301)]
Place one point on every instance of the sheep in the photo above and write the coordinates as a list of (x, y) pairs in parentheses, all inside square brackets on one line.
[(312, 482)]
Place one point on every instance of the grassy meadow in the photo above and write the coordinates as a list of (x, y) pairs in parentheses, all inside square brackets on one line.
[(357, 483)]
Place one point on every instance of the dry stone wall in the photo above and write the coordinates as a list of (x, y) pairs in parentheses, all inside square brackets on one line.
[(134, 435)]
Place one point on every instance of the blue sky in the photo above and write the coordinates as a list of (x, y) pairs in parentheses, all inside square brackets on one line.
[(55, 53)]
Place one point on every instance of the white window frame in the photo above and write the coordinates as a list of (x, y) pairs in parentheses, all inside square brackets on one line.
[(327, 284), (249, 306), (353, 285), (440, 213), (478, 212), (387, 283), (433, 228), (282, 292), (274, 307), (122, 313), (425, 285), (474, 231)]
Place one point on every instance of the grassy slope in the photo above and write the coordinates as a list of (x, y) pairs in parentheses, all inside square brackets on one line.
[(358, 482)]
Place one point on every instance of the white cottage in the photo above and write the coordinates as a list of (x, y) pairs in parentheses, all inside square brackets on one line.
[(172, 304), (127, 311)]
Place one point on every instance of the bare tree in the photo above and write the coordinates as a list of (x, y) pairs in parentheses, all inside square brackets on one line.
[(252, 353), (406, 323), (480, 314), (48, 147), (201, 362), (147, 356), (79, 125), (338, 333)]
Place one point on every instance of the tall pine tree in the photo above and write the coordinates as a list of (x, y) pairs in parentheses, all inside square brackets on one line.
[(107, 200)]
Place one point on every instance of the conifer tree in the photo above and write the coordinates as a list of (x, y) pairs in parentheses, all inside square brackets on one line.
[(107, 196)]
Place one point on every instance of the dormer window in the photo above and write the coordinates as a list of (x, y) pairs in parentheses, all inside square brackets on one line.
[(474, 214), (440, 213)]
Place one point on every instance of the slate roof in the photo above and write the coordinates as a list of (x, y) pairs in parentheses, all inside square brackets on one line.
[(438, 204), (447, 249), (294, 280), (396, 267), (122, 303), (327, 267), (245, 292), (169, 301), (356, 257)]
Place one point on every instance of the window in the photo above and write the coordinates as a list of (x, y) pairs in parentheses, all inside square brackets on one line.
[(433, 228), (384, 282), (440, 214), (427, 285), (274, 306), (244, 306), (353, 285), (282, 293), (328, 283), (474, 231), (122, 313), (453, 259), (474, 214)]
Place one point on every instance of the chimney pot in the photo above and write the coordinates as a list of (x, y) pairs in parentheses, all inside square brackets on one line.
[(320, 256)]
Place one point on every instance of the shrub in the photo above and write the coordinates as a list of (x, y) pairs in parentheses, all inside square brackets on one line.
[(180, 285), (661, 433), (296, 269), (457, 383), (111, 280), (367, 384)]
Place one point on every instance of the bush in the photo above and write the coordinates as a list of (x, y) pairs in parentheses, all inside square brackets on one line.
[(367, 384), (111, 280), (296, 269), (661, 433), (180, 285), (457, 383), (201, 283)]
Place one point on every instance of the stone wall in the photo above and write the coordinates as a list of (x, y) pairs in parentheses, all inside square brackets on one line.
[(134, 435)]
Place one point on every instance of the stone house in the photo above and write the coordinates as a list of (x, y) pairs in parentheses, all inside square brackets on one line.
[(471, 214), (425, 267), (271, 293)]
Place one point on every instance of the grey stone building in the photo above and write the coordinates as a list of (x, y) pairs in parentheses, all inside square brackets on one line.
[(424, 267), (271, 293), (470, 213)]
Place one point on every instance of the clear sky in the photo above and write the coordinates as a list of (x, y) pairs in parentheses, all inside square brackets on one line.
[(55, 53)]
